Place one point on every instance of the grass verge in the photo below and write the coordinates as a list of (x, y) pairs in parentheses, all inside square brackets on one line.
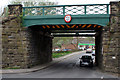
[(57, 55), (13, 68)]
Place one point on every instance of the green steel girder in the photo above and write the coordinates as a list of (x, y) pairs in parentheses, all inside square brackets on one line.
[(98, 19)]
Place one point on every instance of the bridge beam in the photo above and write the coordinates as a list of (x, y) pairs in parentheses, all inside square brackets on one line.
[(72, 31), (74, 35), (99, 19)]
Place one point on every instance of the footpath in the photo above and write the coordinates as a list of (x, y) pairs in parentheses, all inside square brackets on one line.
[(39, 67)]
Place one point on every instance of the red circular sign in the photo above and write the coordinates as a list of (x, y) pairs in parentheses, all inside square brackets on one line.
[(67, 18)]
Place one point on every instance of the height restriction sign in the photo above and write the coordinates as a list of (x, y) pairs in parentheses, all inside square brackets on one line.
[(67, 18)]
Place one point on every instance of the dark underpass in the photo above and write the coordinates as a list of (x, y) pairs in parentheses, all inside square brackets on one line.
[(42, 41)]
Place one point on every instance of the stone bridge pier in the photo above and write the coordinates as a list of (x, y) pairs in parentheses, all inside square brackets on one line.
[(26, 47), (111, 41), (23, 47)]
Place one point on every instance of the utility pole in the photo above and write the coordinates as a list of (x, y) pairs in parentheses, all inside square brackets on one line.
[(77, 41)]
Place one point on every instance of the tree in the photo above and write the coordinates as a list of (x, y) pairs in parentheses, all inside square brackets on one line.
[(26, 3), (58, 41), (90, 39), (36, 11), (29, 3)]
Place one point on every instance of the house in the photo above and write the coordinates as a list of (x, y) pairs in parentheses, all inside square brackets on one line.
[(68, 46)]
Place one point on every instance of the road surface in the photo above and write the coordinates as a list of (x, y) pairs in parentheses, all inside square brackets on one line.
[(67, 68)]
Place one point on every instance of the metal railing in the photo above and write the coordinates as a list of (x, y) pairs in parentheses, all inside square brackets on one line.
[(66, 9)]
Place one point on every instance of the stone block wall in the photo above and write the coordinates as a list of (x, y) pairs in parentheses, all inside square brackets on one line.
[(13, 44), (111, 41), (23, 47)]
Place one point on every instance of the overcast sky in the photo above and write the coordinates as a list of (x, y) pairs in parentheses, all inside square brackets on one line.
[(65, 2)]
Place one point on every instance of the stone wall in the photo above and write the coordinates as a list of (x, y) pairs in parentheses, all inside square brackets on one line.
[(40, 46), (111, 41), (13, 44), (23, 47)]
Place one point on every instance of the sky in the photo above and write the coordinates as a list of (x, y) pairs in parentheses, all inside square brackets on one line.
[(67, 2), (4, 3), (70, 2)]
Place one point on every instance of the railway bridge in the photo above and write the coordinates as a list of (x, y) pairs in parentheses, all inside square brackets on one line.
[(27, 33)]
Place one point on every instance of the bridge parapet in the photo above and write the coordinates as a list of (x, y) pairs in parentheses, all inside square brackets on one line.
[(54, 15), (66, 9), (15, 10)]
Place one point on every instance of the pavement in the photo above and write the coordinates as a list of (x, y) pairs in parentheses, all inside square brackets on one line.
[(39, 67)]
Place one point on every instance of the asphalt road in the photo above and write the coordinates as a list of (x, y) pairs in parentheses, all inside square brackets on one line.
[(67, 68)]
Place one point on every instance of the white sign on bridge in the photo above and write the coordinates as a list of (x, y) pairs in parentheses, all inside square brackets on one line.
[(67, 18)]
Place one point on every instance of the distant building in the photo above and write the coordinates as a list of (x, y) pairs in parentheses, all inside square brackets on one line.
[(68, 46), (56, 48), (86, 45)]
